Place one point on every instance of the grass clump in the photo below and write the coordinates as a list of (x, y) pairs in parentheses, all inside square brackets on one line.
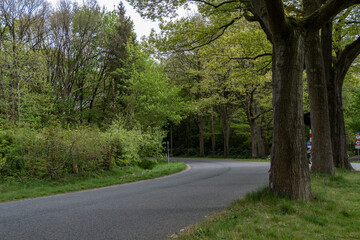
[(333, 214), (15, 189)]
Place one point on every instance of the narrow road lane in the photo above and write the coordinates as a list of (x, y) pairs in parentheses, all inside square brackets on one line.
[(152, 209)]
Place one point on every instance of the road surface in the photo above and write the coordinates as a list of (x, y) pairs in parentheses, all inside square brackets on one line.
[(152, 209)]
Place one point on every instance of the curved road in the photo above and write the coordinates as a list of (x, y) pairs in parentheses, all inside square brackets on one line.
[(152, 209)]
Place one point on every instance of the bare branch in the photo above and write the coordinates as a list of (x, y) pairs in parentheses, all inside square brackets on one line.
[(213, 37), (348, 56), (213, 5), (252, 58)]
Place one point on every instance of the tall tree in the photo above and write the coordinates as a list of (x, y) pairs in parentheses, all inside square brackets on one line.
[(22, 31), (289, 172), (322, 157), (345, 42)]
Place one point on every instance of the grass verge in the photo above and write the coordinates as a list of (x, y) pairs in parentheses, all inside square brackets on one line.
[(229, 159), (14, 190), (334, 214)]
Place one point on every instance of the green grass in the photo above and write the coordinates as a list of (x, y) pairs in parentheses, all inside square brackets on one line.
[(230, 159), (29, 188), (334, 214)]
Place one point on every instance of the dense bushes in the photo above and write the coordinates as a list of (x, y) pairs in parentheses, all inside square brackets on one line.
[(54, 151)]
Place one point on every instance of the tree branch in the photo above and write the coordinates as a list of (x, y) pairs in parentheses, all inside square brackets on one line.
[(276, 13), (347, 57), (252, 58), (214, 36), (329, 10), (213, 5), (272, 16)]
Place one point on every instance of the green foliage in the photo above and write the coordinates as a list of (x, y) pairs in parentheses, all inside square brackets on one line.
[(151, 99), (54, 151)]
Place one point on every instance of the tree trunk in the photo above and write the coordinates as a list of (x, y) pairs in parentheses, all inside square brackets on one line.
[(260, 142), (321, 151), (338, 132), (254, 152), (226, 130), (334, 88), (337, 123), (322, 158), (289, 172), (201, 135), (212, 132)]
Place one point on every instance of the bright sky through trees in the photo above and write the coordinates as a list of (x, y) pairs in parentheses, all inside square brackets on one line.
[(142, 26)]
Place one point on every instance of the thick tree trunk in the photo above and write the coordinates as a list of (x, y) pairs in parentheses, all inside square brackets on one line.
[(322, 158), (334, 88), (201, 136), (338, 133), (289, 172), (337, 124)]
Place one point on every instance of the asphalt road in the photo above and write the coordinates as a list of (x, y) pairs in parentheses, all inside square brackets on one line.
[(356, 166), (152, 209)]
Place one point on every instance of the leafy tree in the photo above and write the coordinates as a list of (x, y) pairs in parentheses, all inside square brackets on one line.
[(23, 72), (289, 172), (150, 99)]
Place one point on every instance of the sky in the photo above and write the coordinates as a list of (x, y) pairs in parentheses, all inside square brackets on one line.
[(142, 27)]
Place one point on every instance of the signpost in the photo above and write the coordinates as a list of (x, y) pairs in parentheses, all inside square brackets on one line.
[(357, 142)]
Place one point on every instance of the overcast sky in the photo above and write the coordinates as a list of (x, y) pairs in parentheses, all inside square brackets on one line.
[(142, 27)]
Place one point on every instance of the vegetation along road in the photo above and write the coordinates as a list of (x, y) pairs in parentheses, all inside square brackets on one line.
[(151, 209)]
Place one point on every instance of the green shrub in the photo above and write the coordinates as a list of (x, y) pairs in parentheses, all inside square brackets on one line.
[(54, 151), (147, 163), (124, 145), (151, 145), (88, 149)]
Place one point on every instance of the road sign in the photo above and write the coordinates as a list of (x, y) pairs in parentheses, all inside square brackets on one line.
[(357, 140)]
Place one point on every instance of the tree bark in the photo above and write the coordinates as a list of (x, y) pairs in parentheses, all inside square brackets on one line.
[(338, 67), (254, 152), (334, 88), (322, 158), (289, 172), (338, 138), (212, 132), (201, 135), (260, 142), (226, 130)]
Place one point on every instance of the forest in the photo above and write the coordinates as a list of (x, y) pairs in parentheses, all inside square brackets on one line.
[(80, 93)]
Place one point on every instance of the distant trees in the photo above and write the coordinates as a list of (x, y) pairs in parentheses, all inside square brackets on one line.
[(22, 63), (78, 93), (221, 77)]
